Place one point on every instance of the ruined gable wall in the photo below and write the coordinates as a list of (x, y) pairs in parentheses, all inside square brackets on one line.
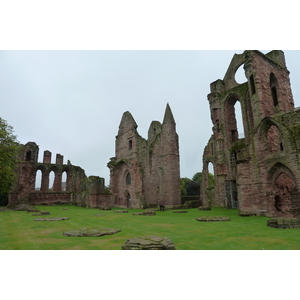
[(270, 145)]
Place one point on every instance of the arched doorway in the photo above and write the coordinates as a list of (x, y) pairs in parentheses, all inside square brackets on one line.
[(128, 199), (284, 185)]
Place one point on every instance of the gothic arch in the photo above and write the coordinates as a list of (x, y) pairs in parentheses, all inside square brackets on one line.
[(274, 89), (230, 117)]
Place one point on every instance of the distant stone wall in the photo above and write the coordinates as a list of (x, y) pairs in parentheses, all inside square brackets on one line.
[(38, 198)]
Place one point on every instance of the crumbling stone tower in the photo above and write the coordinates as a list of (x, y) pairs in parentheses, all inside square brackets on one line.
[(258, 173), (145, 173)]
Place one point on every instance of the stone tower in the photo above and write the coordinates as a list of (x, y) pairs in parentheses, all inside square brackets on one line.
[(257, 167), (145, 173)]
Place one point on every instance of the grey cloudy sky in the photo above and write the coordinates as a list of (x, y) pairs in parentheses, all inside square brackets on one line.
[(71, 102)]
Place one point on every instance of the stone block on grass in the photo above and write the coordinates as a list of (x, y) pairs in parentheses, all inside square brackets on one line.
[(91, 232), (213, 219), (284, 223), (149, 242)]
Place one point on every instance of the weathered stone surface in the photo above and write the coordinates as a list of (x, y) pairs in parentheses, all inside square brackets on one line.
[(91, 232), (284, 223), (145, 213), (149, 242), (246, 214), (142, 165), (256, 165), (52, 219), (180, 211), (24, 207), (213, 219), (204, 208), (121, 211), (42, 213)]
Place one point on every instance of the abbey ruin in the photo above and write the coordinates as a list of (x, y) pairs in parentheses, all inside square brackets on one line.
[(146, 172), (258, 173), (256, 169)]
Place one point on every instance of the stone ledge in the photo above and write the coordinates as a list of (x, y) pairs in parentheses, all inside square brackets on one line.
[(91, 232), (213, 219), (149, 242)]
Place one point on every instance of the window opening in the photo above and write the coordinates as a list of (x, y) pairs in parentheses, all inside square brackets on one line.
[(274, 96), (38, 180), (128, 179), (64, 181), (51, 180), (130, 144), (28, 156)]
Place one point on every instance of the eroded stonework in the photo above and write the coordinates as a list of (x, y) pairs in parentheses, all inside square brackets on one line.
[(259, 171), (145, 173), (78, 188)]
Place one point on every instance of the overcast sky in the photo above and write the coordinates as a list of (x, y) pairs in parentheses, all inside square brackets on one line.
[(71, 102)]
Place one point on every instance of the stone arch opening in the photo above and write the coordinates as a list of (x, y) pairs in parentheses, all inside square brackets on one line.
[(64, 178), (239, 75), (128, 199), (51, 180), (234, 118), (284, 185), (38, 180), (41, 179), (285, 190)]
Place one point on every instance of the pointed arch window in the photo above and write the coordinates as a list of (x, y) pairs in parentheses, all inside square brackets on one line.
[(274, 88), (128, 179)]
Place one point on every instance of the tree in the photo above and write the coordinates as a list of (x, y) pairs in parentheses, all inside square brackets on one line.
[(9, 151), (198, 178)]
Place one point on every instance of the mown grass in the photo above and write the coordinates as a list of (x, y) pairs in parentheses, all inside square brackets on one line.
[(19, 231)]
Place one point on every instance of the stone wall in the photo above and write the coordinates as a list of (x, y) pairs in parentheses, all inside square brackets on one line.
[(261, 170), (146, 172), (79, 189)]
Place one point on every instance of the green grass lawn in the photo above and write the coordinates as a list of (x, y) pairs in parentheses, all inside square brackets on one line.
[(18, 230)]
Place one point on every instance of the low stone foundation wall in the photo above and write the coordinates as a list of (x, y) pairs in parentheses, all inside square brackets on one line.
[(49, 198), (87, 200)]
